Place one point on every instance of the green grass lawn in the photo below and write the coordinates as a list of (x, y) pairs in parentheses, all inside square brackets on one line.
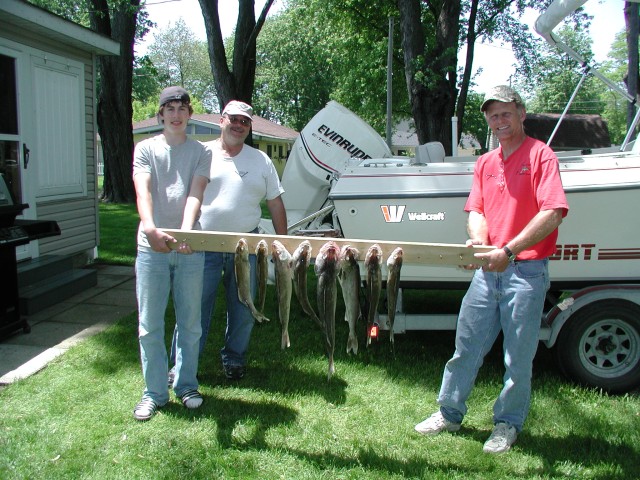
[(284, 420)]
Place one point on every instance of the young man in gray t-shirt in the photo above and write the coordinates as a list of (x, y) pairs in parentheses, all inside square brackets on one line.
[(170, 173)]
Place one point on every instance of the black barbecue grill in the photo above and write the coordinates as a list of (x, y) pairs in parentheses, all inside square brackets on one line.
[(15, 232)]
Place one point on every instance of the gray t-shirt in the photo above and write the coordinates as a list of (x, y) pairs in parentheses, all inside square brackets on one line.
[(238, 184), (172, 168)]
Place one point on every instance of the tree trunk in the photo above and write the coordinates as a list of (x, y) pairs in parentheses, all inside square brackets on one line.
[(430, 71), (115, 110), (632, 21), (238, 83), (468, 66)]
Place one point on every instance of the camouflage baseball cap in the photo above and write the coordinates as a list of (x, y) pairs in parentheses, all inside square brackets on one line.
[(236, 107), (501, 93)]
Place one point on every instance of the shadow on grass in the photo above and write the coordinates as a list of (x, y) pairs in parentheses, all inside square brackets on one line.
[(240, 424), (418, 357), (560, 453)]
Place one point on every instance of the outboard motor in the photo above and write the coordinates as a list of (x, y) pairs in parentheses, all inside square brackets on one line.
[(320, 154)]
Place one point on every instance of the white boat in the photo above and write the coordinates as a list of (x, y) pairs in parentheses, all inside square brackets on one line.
[(421, 199), (341, 179)]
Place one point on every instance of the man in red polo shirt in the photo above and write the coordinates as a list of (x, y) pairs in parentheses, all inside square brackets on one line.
[(516, 203)]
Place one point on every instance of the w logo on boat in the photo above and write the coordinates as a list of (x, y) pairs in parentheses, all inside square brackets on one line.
[(392, 213)]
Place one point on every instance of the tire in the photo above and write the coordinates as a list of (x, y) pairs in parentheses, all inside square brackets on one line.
[(599, 346)]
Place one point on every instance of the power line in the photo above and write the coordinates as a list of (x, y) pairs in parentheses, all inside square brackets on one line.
[(163, 1)]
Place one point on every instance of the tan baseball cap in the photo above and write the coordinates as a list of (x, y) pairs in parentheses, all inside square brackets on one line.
[(501, 93), (236, 107)]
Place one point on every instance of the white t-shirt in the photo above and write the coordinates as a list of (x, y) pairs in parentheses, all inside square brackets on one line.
[(238, 184)]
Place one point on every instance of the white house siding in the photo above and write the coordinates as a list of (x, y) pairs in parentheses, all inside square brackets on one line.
[(77, 217), (76, 214)]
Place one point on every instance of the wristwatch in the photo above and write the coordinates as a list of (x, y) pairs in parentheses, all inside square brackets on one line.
[(510, 255)]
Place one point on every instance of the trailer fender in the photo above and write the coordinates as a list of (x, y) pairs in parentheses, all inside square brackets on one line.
[(557, 317)]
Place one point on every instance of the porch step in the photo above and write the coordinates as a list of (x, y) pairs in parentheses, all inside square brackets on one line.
[(51, 279)]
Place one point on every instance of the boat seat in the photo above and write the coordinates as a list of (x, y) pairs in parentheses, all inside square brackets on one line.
[(431, 152)]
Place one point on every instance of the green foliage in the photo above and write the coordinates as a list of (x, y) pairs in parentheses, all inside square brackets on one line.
[(78, 12), (142, 111), (555, 77), (615, 107), (181, 59), (70, 9), (316, 51), (146, 79), (475, 123), (292, 83)]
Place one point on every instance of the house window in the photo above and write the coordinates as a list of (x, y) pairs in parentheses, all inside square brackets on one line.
[(269, 150), (202, 130), (279, 151)]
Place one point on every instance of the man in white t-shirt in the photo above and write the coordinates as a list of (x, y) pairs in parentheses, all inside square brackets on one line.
[(241, 177)]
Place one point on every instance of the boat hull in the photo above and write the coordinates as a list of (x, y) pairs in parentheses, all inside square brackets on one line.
[(598, 241)]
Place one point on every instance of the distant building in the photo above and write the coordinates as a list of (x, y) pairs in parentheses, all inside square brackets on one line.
[(405, 140), (273, 139)]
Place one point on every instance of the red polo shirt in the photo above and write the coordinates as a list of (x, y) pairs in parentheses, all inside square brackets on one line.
[(510, 193)]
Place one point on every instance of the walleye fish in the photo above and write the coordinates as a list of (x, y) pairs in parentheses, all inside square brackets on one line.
[(262, 272), (243, 278), (301, 257), (349, 278), (326, 268), (372, 263), (394, 265), (284, 274)]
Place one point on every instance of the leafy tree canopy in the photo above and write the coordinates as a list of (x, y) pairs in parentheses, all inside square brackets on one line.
[(181, 59), (554, 77)]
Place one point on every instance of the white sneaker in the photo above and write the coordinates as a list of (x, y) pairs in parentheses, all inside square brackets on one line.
[(501, 439), (435, 424)]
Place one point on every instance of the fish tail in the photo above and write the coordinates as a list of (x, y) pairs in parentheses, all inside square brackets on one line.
[(285, 340), (258, 316), (332, 368), (352, 343)]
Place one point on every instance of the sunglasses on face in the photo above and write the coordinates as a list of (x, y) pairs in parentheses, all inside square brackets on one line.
[(241, 120)]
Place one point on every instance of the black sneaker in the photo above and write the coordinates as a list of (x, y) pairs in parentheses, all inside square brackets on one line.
[(234, 372)]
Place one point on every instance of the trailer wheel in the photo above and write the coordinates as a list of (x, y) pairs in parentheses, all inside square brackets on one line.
[(600, 346)]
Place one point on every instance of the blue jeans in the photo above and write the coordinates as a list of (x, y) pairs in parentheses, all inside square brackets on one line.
[(512, 302), (158, 274), (221, 266)]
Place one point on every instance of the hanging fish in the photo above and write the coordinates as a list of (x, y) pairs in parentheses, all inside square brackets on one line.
[(372, 264), (243, 279), (284, 274), (262, 272), (349, 278), (326, 268), (301, 257), (394, 265)]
